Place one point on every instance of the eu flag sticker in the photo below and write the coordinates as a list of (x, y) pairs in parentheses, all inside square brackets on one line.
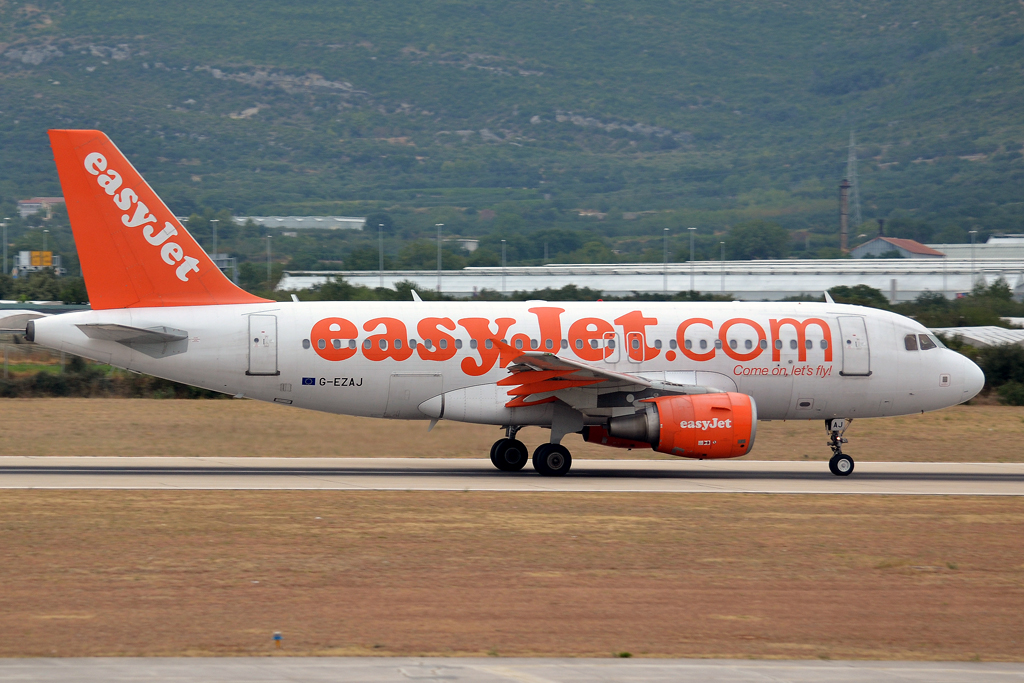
[(308, 381)]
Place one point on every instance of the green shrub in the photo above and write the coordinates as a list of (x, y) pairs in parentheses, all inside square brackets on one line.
[(1011, 394)]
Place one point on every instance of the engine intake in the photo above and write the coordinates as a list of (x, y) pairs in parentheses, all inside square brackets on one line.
[(696, 426)]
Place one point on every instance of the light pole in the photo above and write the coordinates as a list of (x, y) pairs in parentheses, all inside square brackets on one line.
[(6, 218), (439, 226), (46, 233), (722, 263), (973, 233), (380, 241), (664, 265), (214, 221), (503, 267), (268, 262), (692, 231)]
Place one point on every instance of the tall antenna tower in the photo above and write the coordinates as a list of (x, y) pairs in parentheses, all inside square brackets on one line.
[(851, 175)]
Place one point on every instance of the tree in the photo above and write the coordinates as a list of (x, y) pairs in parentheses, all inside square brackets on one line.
[(757, 240), (860, 295), (375, 220)]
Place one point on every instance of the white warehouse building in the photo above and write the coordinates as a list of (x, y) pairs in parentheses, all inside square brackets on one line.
[(899, 279)]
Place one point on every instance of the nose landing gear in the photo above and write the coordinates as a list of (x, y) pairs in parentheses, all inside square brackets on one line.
[(840, 464)]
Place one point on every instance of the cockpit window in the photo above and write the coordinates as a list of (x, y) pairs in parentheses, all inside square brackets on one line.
[(926, 342), (910, 341)]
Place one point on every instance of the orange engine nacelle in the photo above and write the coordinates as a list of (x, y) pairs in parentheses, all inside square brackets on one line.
[(697, 426)]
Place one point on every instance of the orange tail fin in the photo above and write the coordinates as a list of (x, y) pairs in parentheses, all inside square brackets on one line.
[(133, 251)]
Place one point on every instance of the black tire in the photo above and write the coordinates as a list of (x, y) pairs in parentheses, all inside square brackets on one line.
[(552, 460), (509, 455), (841, 465), (494, 449)]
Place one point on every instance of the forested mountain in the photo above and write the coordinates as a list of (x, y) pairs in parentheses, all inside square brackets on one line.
[(505, 118)]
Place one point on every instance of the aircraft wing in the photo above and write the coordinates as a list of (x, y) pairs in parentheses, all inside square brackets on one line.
[(538, 377)]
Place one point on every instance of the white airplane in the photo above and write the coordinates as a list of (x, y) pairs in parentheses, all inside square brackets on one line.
[(688, 379)]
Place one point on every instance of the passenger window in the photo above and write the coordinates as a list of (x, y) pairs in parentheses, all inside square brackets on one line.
[(808, 344), (549, 344), (926, 342), (336, 343), (579, 343), (657, 343), (672, 344), (778, 343), (429, 344), (704, 344), (763, 343), (458, 343), (732, 343), (533, 344), (635, 343), (792, 343), (910, 341), (565, 343), (689, 344), (488, 344), (718, 344), (305, 343), (611, 343), (747, 344), (443, 343), (519, 343), (824, 343)]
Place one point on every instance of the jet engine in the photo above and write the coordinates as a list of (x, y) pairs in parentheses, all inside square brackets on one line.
[(696, 426)]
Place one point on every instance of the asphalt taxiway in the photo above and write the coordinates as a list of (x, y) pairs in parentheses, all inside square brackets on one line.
[(491, 670), (451, 474)]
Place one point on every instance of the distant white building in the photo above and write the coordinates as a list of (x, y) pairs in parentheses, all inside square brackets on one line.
[(997, 246), (28, 207), (898, 279), (306, 222), (885, 245)]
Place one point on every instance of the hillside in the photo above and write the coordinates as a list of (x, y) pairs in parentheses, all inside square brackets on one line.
[(653, 113)]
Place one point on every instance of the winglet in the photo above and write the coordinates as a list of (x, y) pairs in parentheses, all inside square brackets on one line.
[(415, 296), (132, 249), (828, 298)]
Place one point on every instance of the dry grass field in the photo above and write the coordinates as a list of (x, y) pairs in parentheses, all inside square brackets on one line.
[(356, 573), (125, 427)]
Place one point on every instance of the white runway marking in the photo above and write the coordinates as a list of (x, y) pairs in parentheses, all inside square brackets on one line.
[(491, 670), (449, 474)]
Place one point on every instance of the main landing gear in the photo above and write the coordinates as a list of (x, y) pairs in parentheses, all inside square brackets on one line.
[(841, 464), (510, 455)]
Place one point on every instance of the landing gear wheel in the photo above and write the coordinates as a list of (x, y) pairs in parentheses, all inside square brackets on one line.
[(509, 455), (552, 460), (494, 448), (841, 465)]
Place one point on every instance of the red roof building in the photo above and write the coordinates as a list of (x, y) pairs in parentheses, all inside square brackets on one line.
[(885, 246)]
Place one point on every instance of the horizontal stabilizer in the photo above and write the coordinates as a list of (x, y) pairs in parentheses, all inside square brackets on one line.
[(13, 322), (124, 334)]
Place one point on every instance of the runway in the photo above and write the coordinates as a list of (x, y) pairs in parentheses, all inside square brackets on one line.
[(415, 474), (493, 670)]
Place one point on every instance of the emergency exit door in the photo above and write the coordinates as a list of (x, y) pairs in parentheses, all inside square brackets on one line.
[(262, 345), (856, 354)]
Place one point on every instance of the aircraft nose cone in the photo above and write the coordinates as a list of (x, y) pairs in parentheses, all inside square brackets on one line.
[(974, 379)]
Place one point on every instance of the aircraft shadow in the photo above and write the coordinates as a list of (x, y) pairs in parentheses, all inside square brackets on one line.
[(590, 472)]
